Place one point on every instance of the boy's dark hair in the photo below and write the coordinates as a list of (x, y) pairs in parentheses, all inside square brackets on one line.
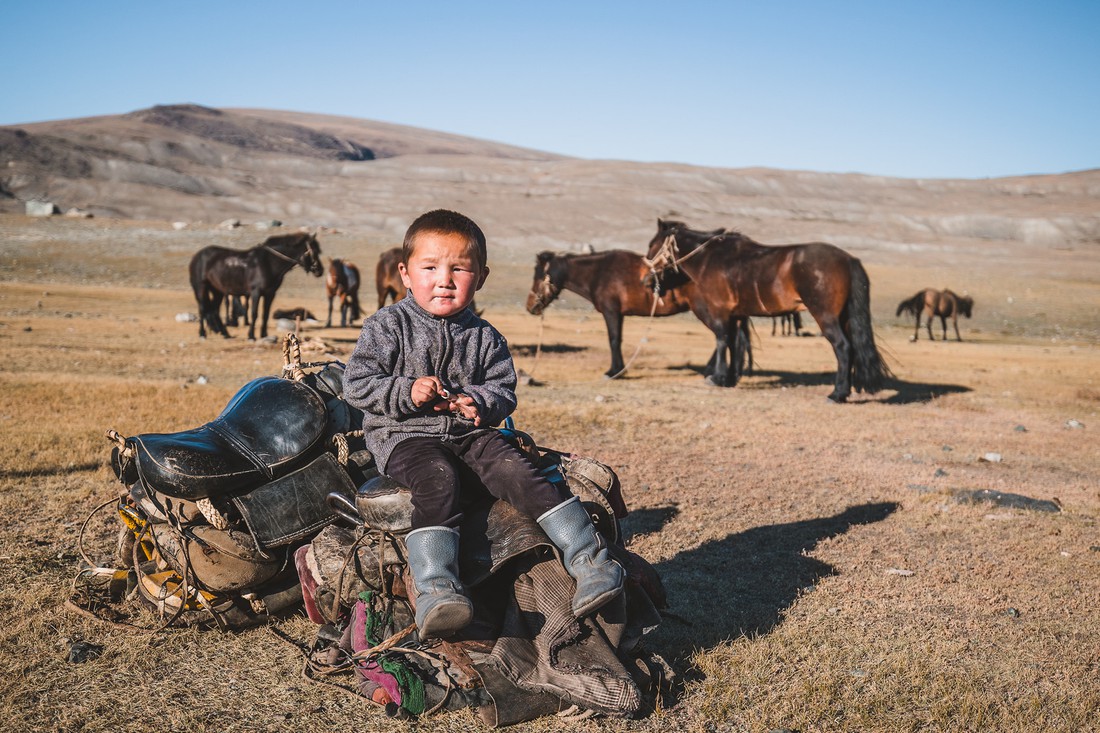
[(443, 221)]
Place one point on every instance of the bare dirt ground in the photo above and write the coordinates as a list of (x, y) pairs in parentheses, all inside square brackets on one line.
[(823, 572)]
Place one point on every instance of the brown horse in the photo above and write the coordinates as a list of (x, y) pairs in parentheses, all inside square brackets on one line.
[(387, 278), (942, 303), (738, 277), (342, 281), (613, 282), (257, 273)]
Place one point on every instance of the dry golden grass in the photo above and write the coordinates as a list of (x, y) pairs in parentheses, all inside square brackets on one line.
[(776, 519)]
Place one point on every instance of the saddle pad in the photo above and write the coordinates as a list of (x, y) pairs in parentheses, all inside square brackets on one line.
[(259, 435), (293, 507)]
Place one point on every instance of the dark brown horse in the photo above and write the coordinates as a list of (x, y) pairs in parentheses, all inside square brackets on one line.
[(342, 281), (942, 303), (258, 272), (387, 278), (738, 277), (613, 282)]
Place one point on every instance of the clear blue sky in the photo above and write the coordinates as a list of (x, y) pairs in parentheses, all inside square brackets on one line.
[(919, 89)]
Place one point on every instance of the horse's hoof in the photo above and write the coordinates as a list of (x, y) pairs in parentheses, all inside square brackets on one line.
[(710, 381), (838, 399)]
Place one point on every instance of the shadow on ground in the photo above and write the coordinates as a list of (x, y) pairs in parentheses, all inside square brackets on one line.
[(905, 393), (742, 584), (529, 349)]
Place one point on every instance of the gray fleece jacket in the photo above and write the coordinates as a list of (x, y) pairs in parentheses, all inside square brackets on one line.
[(401, 343)]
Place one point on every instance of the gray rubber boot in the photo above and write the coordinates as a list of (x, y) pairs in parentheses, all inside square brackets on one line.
[(599, 578), (442, 608)]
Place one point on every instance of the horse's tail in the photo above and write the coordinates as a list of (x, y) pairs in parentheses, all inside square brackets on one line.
[(869, 371), (912, 306)]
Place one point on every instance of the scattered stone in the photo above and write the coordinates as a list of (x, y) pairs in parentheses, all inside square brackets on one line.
[(940, 473), (1005, 499), (947, 449), (1020, 429), (26, 329), (899, 571), (230, 224), (924, 489), (76, 213), (41, 208), (526, 380), (1013, 612), (270, 224), (1074, 424), (82, 651), (186, 318), (178, 225), (990, 458), (201, 379)]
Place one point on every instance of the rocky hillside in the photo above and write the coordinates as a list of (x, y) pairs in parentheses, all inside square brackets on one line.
[(201, 165)]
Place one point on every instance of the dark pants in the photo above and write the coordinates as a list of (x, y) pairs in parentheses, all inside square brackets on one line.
[(442, 474)]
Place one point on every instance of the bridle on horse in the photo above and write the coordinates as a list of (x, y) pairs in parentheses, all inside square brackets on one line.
[(667, 255), (306, 259), (546, 292)]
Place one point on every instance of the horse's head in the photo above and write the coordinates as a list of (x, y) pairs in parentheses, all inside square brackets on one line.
[(311, 257), (661, 256), (546, 286), (966, 305)]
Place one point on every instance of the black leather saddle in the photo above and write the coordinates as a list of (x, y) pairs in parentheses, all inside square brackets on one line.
[(269, 428)]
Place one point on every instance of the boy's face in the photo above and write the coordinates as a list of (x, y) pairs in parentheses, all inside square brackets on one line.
[(443, 273)]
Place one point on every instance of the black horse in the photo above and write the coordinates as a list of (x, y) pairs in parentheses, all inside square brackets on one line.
[(217, 272), (738, 277)]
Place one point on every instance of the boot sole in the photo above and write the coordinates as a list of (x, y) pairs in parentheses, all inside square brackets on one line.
[(447, 619)]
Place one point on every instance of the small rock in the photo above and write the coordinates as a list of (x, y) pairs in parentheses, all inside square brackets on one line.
[(899, 571), (1020, 429), (940, 473), (186, 318), (990, 458), (1013, 612), (201, 379), (1074, 424), (178, 225), (82, 651)]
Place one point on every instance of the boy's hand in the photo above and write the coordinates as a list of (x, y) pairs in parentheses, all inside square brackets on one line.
[(430, 389), (425, 390), (465, 406)]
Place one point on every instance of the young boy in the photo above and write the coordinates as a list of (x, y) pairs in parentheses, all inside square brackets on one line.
[(432, 379)]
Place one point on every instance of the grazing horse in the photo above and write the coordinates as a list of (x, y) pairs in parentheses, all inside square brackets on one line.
[(737, 277), (613, 282), (932, 303), (257, 273), (342, 281), (387, 278)]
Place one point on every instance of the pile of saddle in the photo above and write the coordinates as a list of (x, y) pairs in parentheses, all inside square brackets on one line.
[(275, 507)]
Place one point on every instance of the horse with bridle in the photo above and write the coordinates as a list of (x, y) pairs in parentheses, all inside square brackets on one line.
[(613, 282), (737, 277), (217, 272), (934, 303), (342, 281)]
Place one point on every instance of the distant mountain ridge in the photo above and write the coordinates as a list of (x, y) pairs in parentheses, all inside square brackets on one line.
[(202, 165)]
